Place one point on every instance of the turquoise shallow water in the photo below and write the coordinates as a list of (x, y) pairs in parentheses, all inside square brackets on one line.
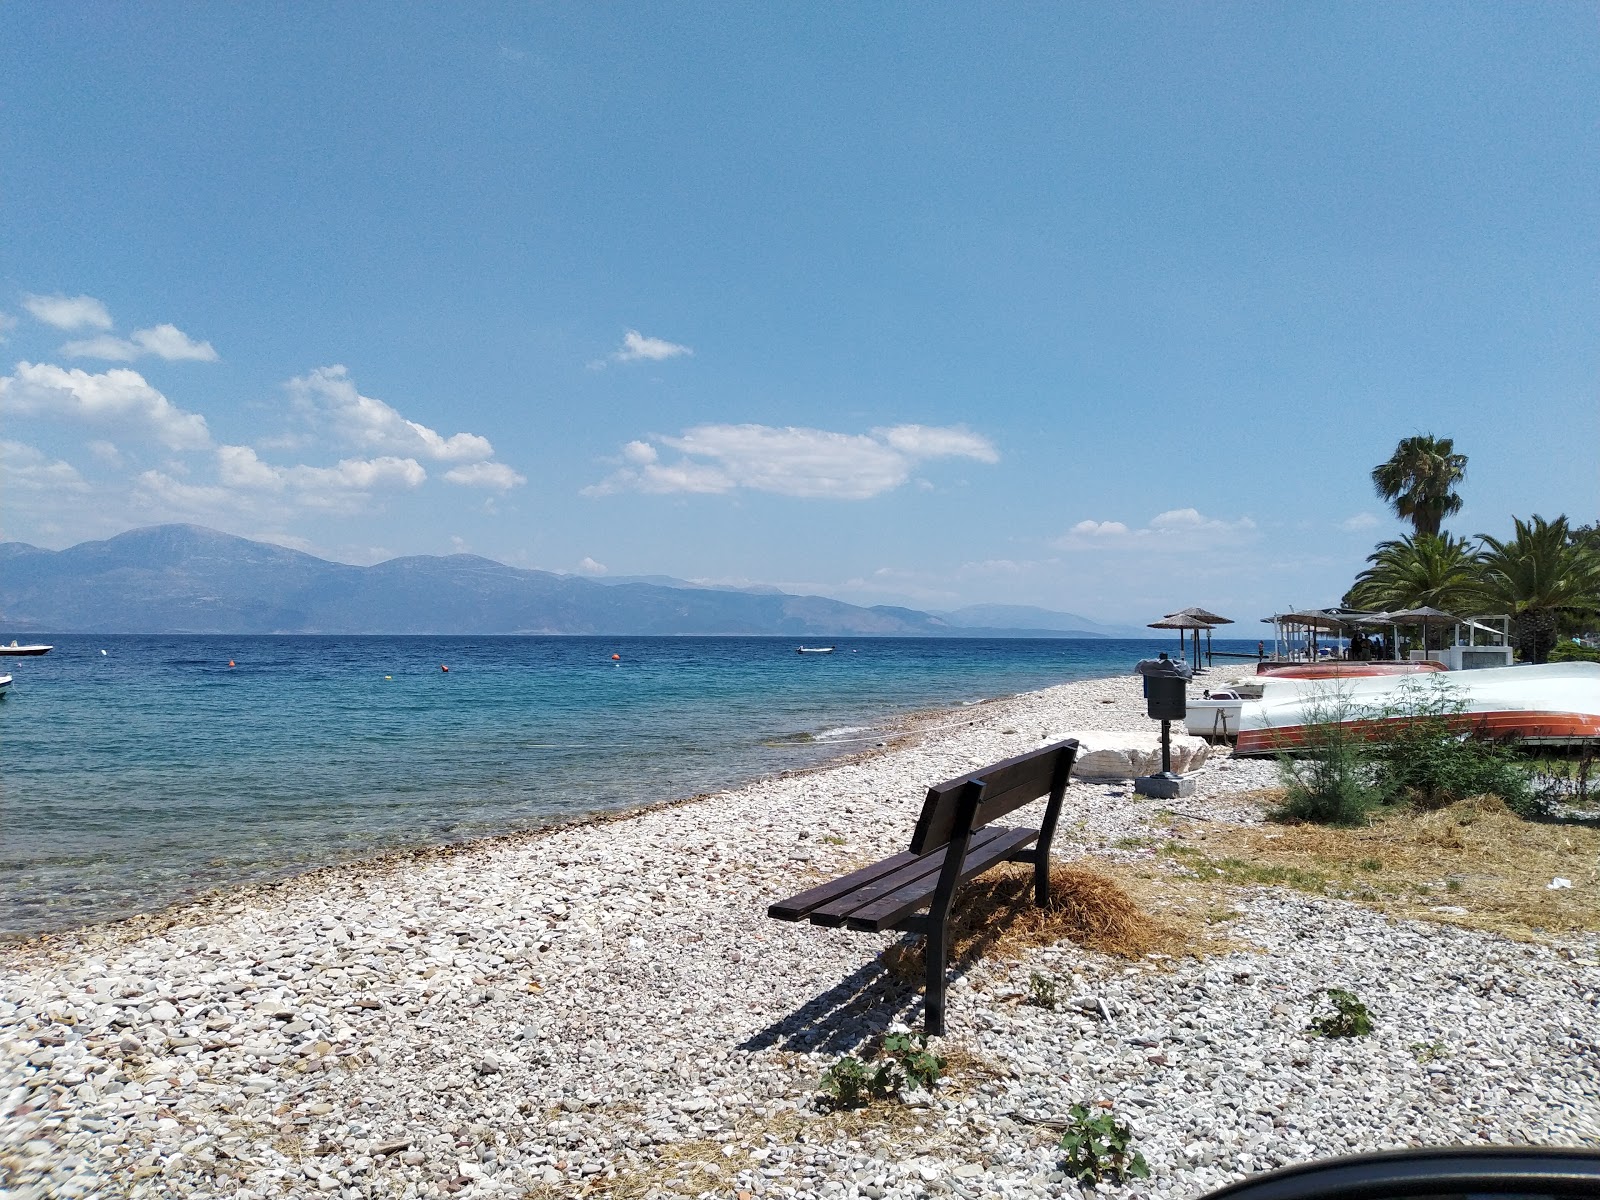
[(139, 776)]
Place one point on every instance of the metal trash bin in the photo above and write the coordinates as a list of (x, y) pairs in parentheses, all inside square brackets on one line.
[(1166, 699), (1165, 688)]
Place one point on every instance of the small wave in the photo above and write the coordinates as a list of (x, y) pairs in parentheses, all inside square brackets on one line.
[(842, 733)]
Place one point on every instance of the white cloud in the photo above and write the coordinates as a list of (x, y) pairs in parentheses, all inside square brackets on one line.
[(927, 441), (239, 467), (119, 395), (1177, 528), (589, 567), (106, 452), (807, 463), (1100, 529), (486, 475), (330, 400), (638, 348), (156, 489), (163, 341), (639, 453), (1357, 523), (68, 312), (29, 469)]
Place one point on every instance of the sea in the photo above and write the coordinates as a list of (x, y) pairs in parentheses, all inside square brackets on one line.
[(139, 771)]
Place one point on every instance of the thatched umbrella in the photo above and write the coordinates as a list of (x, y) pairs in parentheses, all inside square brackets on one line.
[(1206, 615), (1181, 624)]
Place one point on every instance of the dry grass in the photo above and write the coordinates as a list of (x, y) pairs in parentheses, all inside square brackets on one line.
[(994, 917), (1475, 855)]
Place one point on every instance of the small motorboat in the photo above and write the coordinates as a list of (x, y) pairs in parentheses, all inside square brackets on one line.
[(15, 649), (813, 649), (1549, 704), (5, 683)]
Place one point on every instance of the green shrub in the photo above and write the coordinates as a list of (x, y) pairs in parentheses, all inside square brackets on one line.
[(1427, 757), (1098, 1148), (850, 1083), (1330, 781), (909, 1052), (1574, 652)]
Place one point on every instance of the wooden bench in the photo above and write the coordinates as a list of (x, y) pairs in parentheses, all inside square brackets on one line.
[(953, 842)]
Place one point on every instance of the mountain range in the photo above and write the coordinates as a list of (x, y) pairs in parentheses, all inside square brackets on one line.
[(189, 579)]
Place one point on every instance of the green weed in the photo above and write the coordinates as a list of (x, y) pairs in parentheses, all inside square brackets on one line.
[(1348, 1019), (1098, 1148), (1041, 991)]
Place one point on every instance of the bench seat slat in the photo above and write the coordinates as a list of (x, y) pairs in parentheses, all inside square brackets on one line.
[(894, 906), (920, 872), (798, 907)]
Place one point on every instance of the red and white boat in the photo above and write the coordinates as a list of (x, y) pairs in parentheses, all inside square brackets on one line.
[(1549, 704), (1344, 669)]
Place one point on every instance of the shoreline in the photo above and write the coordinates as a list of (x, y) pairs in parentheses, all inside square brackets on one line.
[(383, 860), (604, 1006)]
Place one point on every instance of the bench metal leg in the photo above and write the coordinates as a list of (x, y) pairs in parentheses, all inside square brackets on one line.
[(1041, 880), (936, 953)]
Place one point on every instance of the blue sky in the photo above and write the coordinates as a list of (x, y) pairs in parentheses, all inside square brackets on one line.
[(1109, 310)]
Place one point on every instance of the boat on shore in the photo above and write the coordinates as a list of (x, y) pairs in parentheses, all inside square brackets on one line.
[(1345, 668), (1547, 704), (814, 649), (14, 649)]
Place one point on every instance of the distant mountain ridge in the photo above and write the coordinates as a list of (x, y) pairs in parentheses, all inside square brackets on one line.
[(190, 579), (1026, 616)]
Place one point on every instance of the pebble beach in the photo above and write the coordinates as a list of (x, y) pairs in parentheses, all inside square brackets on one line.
[(605, 1009)]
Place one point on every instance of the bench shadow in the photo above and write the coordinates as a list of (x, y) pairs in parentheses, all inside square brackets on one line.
[(861, 1006), (854, 1011)]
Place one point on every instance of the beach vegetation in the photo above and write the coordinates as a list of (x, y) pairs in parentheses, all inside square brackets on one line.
[(1330, 780), (1419, 480), (1573, 652), (1427, 1052), (904, 1058), (1341, 1016), (995, 917), (1475, 863), (918, 1065), (851, 1083), (1415, 571), (1099, 1148), (1536, 577), (1428, 756), (1041, 991)]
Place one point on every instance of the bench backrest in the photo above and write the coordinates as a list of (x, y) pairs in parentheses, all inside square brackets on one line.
[(1001, 788)]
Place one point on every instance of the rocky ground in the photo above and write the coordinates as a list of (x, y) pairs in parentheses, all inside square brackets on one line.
[(605, 1009)]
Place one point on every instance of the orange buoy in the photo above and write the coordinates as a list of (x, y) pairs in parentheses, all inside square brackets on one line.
[(230, 662), (444, 668), (616, 658)]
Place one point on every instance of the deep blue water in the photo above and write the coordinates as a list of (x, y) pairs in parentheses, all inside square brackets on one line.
[(154, 770)]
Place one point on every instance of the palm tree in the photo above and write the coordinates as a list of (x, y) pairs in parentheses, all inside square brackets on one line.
[(1419, 481), (1415, 571), (1534, 577)]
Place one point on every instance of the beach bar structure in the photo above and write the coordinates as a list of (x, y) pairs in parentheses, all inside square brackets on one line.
[(1296, 634)]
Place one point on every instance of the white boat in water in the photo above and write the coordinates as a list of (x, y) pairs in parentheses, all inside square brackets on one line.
[(1548, 704), (813, 649), (5, 682), (15, 649)]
